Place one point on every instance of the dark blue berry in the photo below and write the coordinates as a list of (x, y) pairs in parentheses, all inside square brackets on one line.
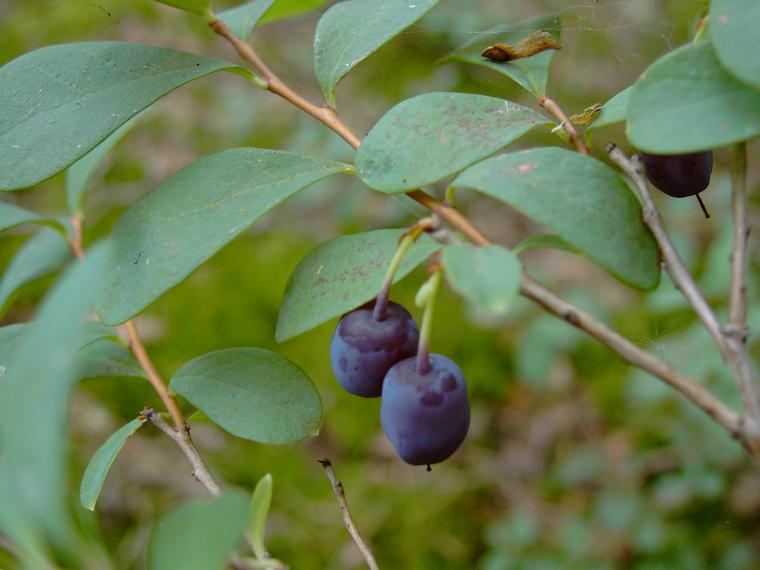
[(363, 348), (425, 416), (679, 175)]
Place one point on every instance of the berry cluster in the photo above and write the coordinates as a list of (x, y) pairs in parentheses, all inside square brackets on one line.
[(425, 411)]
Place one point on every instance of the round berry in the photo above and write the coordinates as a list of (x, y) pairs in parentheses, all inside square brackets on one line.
[(425, 416), (679, 175), (363, 349)]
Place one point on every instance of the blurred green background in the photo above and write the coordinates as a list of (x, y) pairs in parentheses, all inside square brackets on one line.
[(573, 461)]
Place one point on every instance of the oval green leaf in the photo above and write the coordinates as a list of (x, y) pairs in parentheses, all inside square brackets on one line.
[(579, 198), (687, 102), (487, 277), (97, 469), (200, 7), (351, 30), (531, 73), (252, 393), (199, 534), (342, 274), (172, 230), (428, 137), (734, 26), (58, 102), (257, 514), (43, 253), (242, 19)]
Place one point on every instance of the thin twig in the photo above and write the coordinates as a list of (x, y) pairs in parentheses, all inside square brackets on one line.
[(738, 304), (736, 331), (75, 241), (182, 439), (731, 348), (632, 354), (324, 114), (340, 496), (676, 269), (734, 423), (135, 343), (555, 110), (138, 349)]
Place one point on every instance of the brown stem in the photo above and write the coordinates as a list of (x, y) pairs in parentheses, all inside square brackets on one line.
[(736, 331), (555, 110), (676, 269), (736, 425), (75, 241), (738, 304), (634, 355), (182, 439), (135, 343), (731, 347), (138, 349), (340, 496), (325, 115)]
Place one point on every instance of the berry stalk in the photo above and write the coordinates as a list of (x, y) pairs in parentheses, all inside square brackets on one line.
[(426, 297), (381, 304)]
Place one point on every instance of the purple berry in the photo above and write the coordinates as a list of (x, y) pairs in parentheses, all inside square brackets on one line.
[(679, 175), (363, 349), (426, 416)]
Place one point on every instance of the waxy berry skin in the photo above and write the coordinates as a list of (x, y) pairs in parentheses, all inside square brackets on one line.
[(679, 175), (363, 349), (425, 416)]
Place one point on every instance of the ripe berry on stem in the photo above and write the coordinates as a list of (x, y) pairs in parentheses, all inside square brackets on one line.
[(363, 347), (425, 415), (680, 175)]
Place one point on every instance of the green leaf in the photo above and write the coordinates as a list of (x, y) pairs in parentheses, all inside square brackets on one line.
[(242, 19), (289, 8), (733, 30), (431, 136), (58, 102), (252, 393), (530, 73), (10, 339), (39, 387), (43, 253), (614, 111), (172, 230), (78, 175), (543, 241), (200, 7), (351, 30), (579, 198), (97, 470), (342, 274), (12, 216), (257, 514), (687, 102), (199, 534), (105, 358), (487, 277)]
